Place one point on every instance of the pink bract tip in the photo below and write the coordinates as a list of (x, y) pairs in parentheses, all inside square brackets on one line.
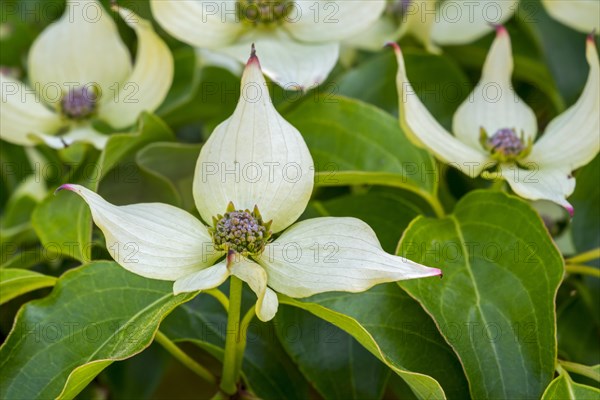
[(571, 210), (393, 45), (66, 186), (500, 30), (591, 38), (253, 58)]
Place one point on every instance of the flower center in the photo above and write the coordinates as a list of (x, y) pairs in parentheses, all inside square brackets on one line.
[(242, 231), (264, 12), (505, 145), (79, 103)]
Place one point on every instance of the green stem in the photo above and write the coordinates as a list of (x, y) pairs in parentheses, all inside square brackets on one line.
[(583, 270), (219, 296), (579, 369), (183, 358), (562, 371), (437, 206), (241, 347), (585, 257), (498, 185), (230, 367)]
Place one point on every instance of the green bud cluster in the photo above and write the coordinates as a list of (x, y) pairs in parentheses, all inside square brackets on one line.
[(263, 12), (242, 231), (79, 103), (505, 145)]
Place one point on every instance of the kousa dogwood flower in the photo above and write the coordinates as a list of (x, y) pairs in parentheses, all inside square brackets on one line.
[(437, 23), (299, 39), (255, 160), (80, 70), (494, 128)]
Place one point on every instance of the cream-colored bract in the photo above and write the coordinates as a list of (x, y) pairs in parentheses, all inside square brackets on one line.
[(253, 158), (435, 23), (298, 53), (83, 49), (571, 140)]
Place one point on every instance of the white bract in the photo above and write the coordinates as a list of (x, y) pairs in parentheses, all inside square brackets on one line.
[(299, 40), (255, 160), (80, 70), (454, 22), (494, 127)]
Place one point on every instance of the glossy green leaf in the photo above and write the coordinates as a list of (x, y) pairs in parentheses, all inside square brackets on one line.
[(15, 282), (267, 369), (437, 79), (96, 314), (175, 162), (128, 183), (335, 363), (354, 143), (394, 328), (185, 81), (150, 129), (578, 322), (564, 388), (495, 305), (585, 200), (64, 226), (387, 210), (562, 48)]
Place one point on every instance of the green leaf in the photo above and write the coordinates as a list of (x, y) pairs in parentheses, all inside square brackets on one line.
[(15, 282), (336, 364), (578, 324), (267, 369), (585, 200), (174, 162), (217, 94), (120, 146), (96, 314), (142, 186), (394, 328), (387, 210), (437, 79), (64, 226), (495, 305), (185, 81), (562, 48), (355, 143), (564, 388)]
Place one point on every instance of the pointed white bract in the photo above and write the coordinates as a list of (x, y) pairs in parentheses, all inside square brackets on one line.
[(464, 21), (162, 242), (540, 170), (571, 140), (148, 84), (255, 158), (83, 47), (333, 254), (438, 23), (299, 50), (83, 51), (581, 15), (256, 277), (423, 130), (155, 240), (284, 59), (22, 113), (327, 21), (493, 104)]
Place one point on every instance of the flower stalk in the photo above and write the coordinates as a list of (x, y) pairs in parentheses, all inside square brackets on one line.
[(183, 358), (230, 359)]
